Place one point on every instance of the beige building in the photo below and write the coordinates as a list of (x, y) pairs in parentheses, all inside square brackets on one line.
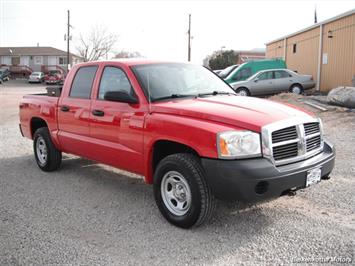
[(325, 50)]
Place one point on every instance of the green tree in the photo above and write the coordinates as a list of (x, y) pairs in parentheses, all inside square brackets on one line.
[(223, 59)]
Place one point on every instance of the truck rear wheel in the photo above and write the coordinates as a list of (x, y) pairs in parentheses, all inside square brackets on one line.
[(48, 157), (181, 192)]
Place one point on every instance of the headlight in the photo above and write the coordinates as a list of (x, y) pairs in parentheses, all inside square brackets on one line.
[(238, 144)]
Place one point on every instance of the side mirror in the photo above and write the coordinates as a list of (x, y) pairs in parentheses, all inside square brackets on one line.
[(120, 96), (256, 79)]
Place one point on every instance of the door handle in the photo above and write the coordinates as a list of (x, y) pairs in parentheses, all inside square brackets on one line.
[(98, 112), (64, 108)]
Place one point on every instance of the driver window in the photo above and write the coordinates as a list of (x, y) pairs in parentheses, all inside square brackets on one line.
[(113, 79)]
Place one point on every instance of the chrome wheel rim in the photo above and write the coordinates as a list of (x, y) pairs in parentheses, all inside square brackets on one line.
[(176, 193), (41, 150), (242, 93), (296, 90)]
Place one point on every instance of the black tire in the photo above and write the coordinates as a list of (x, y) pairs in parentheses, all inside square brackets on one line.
[(53, 156), (243, 91), (202, 201), (296, 88)]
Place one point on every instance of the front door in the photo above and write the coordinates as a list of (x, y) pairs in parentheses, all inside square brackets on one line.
[(117, 127), (74, 113), (263, 84)]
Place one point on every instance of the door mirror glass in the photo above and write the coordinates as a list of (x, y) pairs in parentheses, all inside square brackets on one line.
[(120, 96)]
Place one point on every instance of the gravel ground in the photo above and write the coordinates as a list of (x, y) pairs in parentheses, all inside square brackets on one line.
[(90, 214)]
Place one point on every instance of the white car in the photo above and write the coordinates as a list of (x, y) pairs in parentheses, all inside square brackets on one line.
[(36, 77)]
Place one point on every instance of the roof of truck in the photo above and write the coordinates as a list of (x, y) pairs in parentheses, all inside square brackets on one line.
[(133, 61)]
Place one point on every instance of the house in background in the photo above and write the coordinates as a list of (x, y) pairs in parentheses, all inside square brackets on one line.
[(22, 61)]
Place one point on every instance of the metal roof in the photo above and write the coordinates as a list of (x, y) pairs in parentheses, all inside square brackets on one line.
[(348, 13), (35, 50)]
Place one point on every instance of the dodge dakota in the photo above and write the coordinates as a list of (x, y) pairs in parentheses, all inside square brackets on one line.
[(183, 129)]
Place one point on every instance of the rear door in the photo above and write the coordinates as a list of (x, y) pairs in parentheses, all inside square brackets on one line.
[(282, 81), (263, 83), (74, 112)]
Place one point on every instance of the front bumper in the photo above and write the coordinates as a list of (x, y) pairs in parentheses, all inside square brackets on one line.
[(252, 180)]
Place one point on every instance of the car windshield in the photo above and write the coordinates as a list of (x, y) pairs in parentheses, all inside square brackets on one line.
[(225, 72), (177, 80), (35, 74)]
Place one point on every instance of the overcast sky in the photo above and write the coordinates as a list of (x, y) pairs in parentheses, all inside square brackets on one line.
[(158, 29)]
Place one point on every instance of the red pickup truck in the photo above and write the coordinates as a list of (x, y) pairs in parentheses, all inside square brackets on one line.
[(183, 129)]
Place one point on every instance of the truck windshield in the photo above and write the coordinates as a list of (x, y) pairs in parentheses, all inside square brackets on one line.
[(178, 80)]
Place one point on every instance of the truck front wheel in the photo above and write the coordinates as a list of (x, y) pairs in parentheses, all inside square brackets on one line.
[(181, 191), (48, 157)]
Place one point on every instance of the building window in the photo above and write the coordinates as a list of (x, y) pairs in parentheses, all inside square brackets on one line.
[(38, 60), (294, 48), (63, 60), (15, 60)]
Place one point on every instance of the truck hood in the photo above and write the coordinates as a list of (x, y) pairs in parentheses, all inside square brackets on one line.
[(242, 112)]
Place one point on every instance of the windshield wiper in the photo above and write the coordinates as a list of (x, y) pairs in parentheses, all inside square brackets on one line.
[(216, 93), (173, 96)]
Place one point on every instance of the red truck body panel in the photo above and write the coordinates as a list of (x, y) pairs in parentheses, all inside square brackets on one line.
[(126, 135)]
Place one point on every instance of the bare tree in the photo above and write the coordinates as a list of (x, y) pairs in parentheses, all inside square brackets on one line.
[(96, 45), (126, 54)]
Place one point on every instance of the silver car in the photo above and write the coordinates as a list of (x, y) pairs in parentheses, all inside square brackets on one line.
[(36, 77), (273, 81)]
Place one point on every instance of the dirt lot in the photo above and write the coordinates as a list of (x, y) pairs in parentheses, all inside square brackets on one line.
[(88, 214)]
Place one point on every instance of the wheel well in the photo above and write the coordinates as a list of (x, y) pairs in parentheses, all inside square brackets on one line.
[(242, 88), (37, 123), (163, 148)]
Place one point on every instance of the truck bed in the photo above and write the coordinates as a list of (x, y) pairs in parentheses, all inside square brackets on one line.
[(38, 106)]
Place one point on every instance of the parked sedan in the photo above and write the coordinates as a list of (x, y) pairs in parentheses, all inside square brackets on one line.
[(36, 77), (274, 81)]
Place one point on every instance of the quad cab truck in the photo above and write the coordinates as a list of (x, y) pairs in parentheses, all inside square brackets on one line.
[(183, 129)]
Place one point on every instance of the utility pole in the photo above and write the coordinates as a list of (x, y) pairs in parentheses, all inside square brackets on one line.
[(189, 41), (68, 39)]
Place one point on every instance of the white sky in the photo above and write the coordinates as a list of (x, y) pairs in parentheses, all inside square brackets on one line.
[(157, 29)]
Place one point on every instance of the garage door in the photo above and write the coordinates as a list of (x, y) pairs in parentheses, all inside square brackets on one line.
[(52, 60)]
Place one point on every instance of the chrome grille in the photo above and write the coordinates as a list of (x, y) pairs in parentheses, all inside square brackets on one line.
[(300, 139), (313, 143), (285, 151), (311, 128), (284, 134)]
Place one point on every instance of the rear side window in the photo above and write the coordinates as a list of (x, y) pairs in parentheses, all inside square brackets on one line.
[(82, 83), (281, 74)]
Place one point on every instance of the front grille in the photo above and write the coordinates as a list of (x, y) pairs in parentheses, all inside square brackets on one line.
[(296, 142), (284, 134), (285, 151), (313, 143), (311, 128)]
